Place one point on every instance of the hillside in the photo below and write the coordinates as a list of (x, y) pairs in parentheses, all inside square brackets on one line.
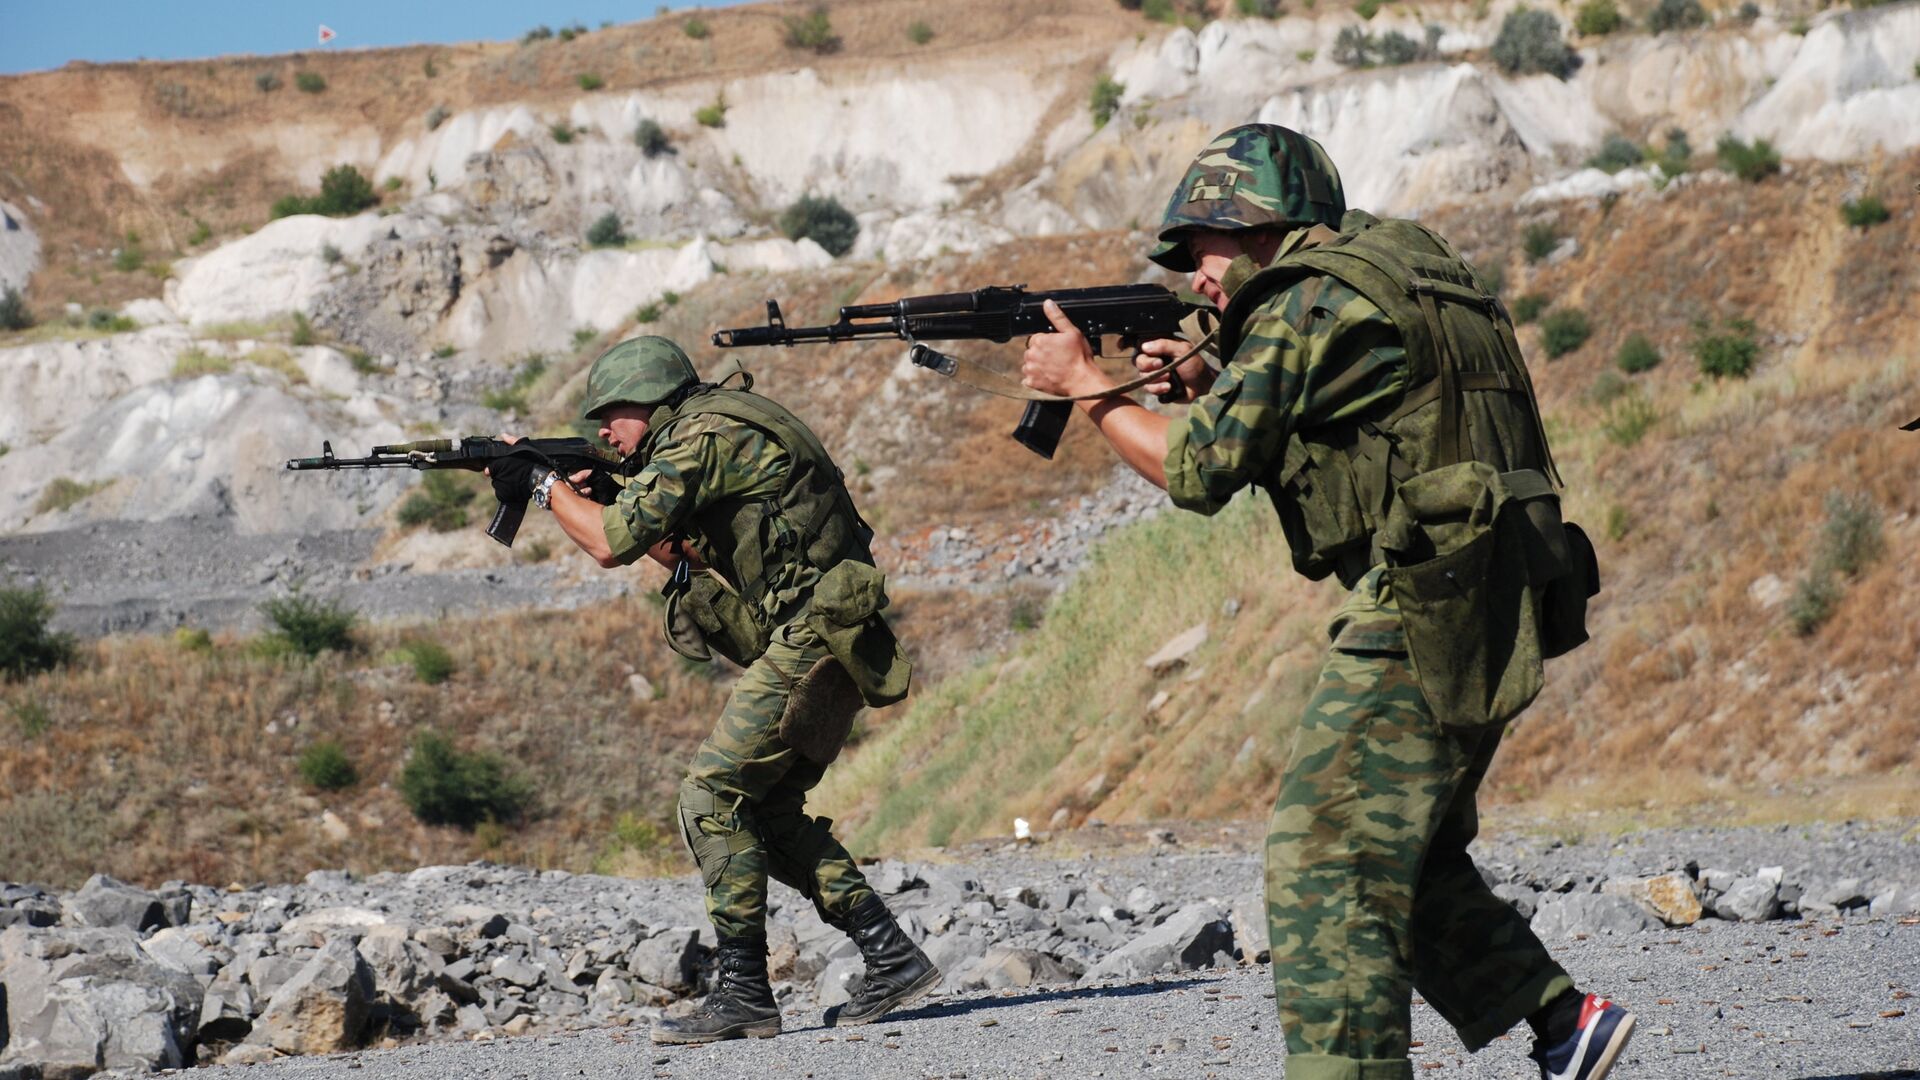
[(1751, 646)]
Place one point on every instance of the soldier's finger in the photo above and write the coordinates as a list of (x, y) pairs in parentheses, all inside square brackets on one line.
[(1059, 318)]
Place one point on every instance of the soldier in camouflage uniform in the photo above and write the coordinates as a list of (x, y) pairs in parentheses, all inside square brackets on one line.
[(772, 568), (1372, 387)]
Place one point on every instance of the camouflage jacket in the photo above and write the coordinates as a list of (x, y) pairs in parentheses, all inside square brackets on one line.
[(1315, 355), (698, 462)]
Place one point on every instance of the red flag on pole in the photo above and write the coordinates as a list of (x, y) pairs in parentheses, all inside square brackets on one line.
[(326, 33)]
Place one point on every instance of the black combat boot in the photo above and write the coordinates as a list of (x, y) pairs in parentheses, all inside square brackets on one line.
[(741, 1003), (898, 973)]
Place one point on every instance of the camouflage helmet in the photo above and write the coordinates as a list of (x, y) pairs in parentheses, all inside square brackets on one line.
[(637, 371), (1251, 177)]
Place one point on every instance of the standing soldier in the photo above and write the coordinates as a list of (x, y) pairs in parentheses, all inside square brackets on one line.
[(771, 567), (1373, 388)]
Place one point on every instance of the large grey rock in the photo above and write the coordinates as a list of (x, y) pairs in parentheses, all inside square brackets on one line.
[(402, 969), (1833, 898), (105, 901), (1669, 897), (834, 986), (1571, 914), (670, 959), (329, 921), (226, 1011), (516, 971), (1519, 897), (1188, 939), (80, 1000), (951, 952), (323, 1009), (267, 974), (1748, 900), (193, 951), (1003, 967)]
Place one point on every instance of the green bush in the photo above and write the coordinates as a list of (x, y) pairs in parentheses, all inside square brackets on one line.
[(309, 82), (1629, 420), (310, 626), (441, 501), (28, 645), (1616, 153), (1105, 99), (714, 115), (1676, 156), (696, 28), (1260, 9), (919, 32), (1608, 387), (1596, 17), (1563, 330), (302, 330), (1748, 13), (1729, 354), (33, 717), (1636, 355), (1813, 601), (445, 786), (651, 138), (812, 31), (201, 233), (324, 765), (194, 639), (267, 82), (1852, 538), (1530, 41), (648, 313), (605, 231), (1528, 307), (590, 81), (1367, 9), (1396, 48), (1353, 47), (1539, 240), (14, 314), (108, 321), (824, 220), (1676, 15), (431, 662), (538, 33), (568, 33), (1862, 213), (562, 133), (129, 256), (344, 191), (1750, 162)]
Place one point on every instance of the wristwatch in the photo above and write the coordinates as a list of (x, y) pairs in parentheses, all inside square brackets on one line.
[(543, 490)]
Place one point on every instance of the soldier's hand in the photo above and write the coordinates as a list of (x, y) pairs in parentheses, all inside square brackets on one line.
[(1196, 376), (1061, 362)]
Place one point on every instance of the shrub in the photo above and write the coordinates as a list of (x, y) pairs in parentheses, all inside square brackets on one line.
[(561, 133), (1616, 153), (33, 717), (605, 231), (431, 662), (1750, 162), (1564, 330), (28, 645), (1397, 48), (440, 502), (1528, 308), (812, 31), (429, 68), (302, 330), (1608, 387), (1677, 155), (445, 786), (309, 82), (194, 363), (1260, 9), (1748, 13), (1596, 17), (1676, 15), (583, 336), (1864, 212), (14, 314), (1851, 539), (538, 33), (919, 32), (824, 220), (714, 115), (344, 191), (696, 28), (267, 82), (648, 313), (1636, 355), (1530, 41), (1105, 99), (325, 765), (108, 321), (1367, 9), (310, 626), (1539, 240), (651, 138), (568, 33), (63, 493), (436, 116), (329, 254), (1813, 601), (193, 639), (1629, 421), (1730, 353), (201, 233), (129, 256), (1353, 47), (590, 81)]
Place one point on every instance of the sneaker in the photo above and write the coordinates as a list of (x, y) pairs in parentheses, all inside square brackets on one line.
[(1596, 1042)]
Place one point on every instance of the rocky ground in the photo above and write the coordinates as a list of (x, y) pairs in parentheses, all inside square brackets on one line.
[(1745, 951)]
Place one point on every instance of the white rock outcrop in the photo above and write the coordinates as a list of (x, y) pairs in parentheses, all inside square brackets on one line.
[(19, 247)]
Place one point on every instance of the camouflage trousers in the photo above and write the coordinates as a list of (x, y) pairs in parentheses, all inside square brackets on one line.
[(742, 805), (1370, 892)]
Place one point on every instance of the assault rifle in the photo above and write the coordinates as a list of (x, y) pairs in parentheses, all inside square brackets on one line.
[(1134, 313), (474, 453)]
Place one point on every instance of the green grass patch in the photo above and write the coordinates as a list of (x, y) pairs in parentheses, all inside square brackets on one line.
[(197, 362), (63, 493), (1629, 420), (432, 664), (589, 81), (1752, 162), (1104, 99)]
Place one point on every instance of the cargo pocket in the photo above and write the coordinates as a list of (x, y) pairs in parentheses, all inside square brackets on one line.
[(707, 614), (820, 709), (845, 611)]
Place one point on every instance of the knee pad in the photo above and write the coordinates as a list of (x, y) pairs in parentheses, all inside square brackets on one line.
[(715, 827)]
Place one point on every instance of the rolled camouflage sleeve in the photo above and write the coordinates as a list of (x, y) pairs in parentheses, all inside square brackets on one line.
[(653, 502)]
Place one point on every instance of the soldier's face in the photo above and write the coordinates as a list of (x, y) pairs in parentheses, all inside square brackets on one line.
[(1212, 253), (624, 426)]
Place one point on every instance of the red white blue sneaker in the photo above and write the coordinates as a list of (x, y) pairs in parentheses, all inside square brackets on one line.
[(1596, 1043)]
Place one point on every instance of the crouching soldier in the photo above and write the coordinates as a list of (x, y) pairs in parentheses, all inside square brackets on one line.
[(771, 568)]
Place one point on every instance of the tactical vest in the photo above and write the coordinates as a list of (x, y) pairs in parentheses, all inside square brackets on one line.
[(1469, 397)]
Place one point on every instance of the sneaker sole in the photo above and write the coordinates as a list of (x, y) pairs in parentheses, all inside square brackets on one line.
[(919, 989), (1618, 1043), (760, 1030)]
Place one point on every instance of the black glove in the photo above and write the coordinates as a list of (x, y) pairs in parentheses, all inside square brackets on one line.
[(601, 488), (513, 478)]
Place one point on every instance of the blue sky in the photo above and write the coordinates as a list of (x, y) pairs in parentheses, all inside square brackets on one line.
[(39, 34)]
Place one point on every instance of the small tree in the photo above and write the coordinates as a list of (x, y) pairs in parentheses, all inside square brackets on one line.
[(1564, 330), (28, 645), (1260, 9), (325, 765), (310, 626), (606, 232), (1530, 41), (812, 31), (651, 138), (345, 191), (824, 221), (444, 786), (1676, 15), (14, 314)]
